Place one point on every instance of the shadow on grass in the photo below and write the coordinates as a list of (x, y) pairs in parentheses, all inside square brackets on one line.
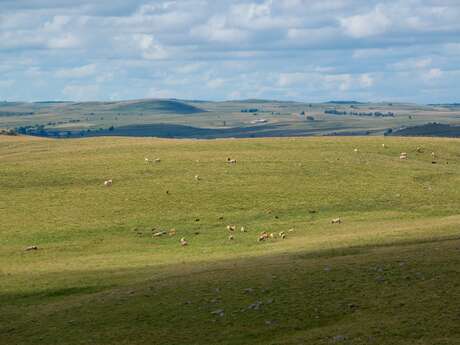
[(382, 294)]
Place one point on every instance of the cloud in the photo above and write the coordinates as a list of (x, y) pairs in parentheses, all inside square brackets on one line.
[(366, 81), (77, 72), (432, 74), (302, 49), (215, 83), (81, 92), (373, 23), (149, 47)]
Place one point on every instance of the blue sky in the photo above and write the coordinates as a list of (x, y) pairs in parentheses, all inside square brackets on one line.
[(306, 50)]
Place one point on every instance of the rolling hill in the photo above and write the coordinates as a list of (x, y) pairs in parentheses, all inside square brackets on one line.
[(173, 118), (108, 267)]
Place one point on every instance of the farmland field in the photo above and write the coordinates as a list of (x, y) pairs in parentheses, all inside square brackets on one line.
[(171, 118), (388, 274)]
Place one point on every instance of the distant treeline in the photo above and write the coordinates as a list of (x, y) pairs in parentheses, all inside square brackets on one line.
[(41, 131), (251, 110), (354, 113), (15, 113)]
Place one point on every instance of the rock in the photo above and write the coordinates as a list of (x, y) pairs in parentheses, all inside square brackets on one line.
[(380, 279), (338, 338), (255, 306), (353, 306), (219, 312)]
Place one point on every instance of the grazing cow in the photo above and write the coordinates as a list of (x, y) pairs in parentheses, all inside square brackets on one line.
[(197, 178), (356, 150), (231, 227), (282, 235), (231, 161), (31, 248), (243, 229), (147, 160), (336, 221), (384, 146), (403, 155), (183, 242), (231, 237), (108, 183), (157, 160)]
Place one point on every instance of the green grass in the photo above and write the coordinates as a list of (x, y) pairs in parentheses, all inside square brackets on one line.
[(389, 274)]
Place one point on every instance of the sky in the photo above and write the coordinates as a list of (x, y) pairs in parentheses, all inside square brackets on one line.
[(304, 50)]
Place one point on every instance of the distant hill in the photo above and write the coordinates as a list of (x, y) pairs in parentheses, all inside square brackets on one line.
[(429, 130), (344, 102), (168, 106)]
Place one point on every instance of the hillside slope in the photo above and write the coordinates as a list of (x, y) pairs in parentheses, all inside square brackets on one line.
[(388, 274)]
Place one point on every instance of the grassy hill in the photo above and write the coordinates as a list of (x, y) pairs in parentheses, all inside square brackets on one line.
[(430, 129), (171, 106), (388, 274)]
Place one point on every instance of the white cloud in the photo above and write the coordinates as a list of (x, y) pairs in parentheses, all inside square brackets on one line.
[(150, 48), (216, 30), (366, 81), (215, 83), (290, 79), (160, 93), (77, 72), (57, 23), (64, 41), (373, 23), (412, 64), (431, 74), (81, 92)]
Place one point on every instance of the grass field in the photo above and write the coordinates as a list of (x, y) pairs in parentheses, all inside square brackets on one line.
[(389, 274)]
